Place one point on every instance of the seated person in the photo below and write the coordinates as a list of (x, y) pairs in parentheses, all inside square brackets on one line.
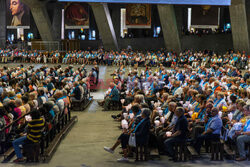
[(164, 100), (141, 130), (239, 112), (76, 93), (41, 98), (35, 128), (112, 96), (130, 95), (124, 137), (243, 136), (170, 121), (59, 100), (177, 90), (220, 101), (117, 83), (3, 123), (179, 132), (152, 93), (212, 130), (197, 127)]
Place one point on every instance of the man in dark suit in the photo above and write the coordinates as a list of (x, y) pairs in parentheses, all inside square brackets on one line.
[(179, 132)]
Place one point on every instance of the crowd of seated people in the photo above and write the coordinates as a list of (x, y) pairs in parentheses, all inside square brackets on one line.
[(127, 57), (33, 99), (164, 107)]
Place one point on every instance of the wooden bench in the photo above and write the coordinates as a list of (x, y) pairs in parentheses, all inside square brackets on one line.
[(31, 152), (77, 104), (180, 150), (143, 152), (248, 148), (229, 152), (193, 152), (80, 105), (154, 153), (7, 154), (115, 105), (217, 149)]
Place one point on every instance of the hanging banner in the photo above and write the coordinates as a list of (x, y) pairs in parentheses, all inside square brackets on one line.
[(76, 15), (18, 15), (138, 16), (205, 16)]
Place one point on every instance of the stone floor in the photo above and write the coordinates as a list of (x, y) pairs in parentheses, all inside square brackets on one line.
[(83, 145)]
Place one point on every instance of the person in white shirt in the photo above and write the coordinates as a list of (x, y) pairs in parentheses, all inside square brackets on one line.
[(177, 91)]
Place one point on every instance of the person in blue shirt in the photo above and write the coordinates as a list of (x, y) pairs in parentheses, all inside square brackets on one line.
[(212, 131), (113, 96), (203, 118), (243, 136), (234, 72), (153, 90), (165, 77), (181, 77), (65, 59), (1, 88)]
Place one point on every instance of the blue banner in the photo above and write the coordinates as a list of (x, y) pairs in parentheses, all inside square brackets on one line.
[(176, 2)]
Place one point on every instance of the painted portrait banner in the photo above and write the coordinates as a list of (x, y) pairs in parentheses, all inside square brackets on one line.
[(17, 15), (138, 16), (205, 16), (76, 15)]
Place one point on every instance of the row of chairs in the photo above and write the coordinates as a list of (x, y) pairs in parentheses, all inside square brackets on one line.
[(217, 150), (34, 151), (184, 151), (80, 105), (43, 149)]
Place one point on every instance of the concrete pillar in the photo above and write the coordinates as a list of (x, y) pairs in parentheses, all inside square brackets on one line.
[(169, 27), (116, 18), (41, 17), (105, 25), (248, 17), (3, 23), (57, 20), (179, 18), (239, 25)]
